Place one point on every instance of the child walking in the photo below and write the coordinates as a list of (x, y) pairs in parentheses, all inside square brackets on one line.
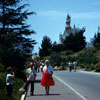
[(47, 79), (9, 81)]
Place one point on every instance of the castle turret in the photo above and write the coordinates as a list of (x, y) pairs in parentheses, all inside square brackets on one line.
[(68, 27), (71, 30)]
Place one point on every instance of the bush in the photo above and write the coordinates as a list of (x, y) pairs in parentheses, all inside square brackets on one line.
[(2, 81), (97, 67), (1, 68), (55, 59), (69, 52), (89, 67), (70, 58), (82, 66), (87, 57)]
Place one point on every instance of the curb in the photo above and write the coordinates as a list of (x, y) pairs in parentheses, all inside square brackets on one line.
[(23, 96), (96, 73)]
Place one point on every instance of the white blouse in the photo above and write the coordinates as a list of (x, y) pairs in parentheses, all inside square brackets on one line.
[(9, 79), (50, 69)]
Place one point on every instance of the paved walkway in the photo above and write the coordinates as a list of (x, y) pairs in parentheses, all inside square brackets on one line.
[(57, 92)]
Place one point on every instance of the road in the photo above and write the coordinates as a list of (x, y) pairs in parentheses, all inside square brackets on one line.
[(78, 85)]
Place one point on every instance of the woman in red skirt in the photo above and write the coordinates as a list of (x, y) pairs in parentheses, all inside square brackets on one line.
[(47, 79)]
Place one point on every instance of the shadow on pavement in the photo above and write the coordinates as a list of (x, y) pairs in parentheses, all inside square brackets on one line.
[(43, 95), (54, 94), (37, 81)]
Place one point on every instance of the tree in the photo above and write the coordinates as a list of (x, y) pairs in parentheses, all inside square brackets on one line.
[(88, 57), (96, 41), (57, 47), (15, 46), (55, 59), (46, 47), (75, 42), (69, 42), (80, 41)]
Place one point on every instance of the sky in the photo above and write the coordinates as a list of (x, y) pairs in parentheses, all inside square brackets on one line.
[(51, 16)]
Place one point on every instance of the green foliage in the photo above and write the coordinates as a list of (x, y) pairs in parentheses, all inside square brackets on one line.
[(96, 41), (63, 63), (87, 57), (2, 81), (37, 58), (71, 58), (97, 67), (57, 47), (55, 59), (75, 42), (1, 68), (69, 52), (15, 45), (46, 47), (89, 67)]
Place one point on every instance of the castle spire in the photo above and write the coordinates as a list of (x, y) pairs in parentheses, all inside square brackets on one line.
[(68, 27), (68, 20)]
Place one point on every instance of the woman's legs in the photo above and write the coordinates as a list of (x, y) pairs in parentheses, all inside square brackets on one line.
[(46, 90)]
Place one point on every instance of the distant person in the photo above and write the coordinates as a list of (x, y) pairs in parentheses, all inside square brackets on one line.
[(75, 65), (47, 79), (70, 66), (41, 65), (31, 75), (9, 81), (36, 67)]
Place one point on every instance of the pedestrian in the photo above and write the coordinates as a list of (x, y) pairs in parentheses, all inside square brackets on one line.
[(41, 65), (31, 75), (36, 67), (70, 66), (9, 81), (75, 65), (47, 79)]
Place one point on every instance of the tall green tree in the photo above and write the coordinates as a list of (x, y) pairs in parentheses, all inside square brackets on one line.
[(46, 47), (55, 59), (15, 45), (56, 47), (96, 41), (75, 42)]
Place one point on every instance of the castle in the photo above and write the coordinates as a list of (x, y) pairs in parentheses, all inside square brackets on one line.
[(70, 30)]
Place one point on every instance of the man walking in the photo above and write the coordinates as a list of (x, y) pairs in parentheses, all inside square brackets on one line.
[(74, 64)]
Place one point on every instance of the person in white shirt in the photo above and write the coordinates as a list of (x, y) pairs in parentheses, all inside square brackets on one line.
[(9, 81), (41, 65), (31, 75), (74, 64)]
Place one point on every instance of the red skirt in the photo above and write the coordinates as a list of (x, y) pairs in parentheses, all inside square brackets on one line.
[(47, 80)]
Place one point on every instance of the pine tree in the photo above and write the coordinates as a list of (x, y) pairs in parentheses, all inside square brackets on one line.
[(46, 47), (57, 47), (15, 46), (75, 42), (80, 41), (96, 41)]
